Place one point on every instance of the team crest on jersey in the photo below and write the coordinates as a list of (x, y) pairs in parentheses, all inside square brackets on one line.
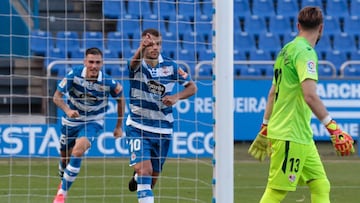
[(63, 83), (182, 73), (133, 156), (311, 67), (166, 71)]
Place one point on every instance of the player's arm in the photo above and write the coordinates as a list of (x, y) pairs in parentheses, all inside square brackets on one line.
[(136, 59), (260, 147), (342, 142), (120, 116), (59, 101), (189, 90)]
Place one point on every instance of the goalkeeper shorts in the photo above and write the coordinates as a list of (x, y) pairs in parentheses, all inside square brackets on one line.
[(292, 164)]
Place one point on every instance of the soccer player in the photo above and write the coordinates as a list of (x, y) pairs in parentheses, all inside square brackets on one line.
[(88, 89), (149, 125), (286, 134)]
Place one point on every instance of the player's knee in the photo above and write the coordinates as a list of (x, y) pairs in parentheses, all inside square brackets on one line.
[(319, 186)]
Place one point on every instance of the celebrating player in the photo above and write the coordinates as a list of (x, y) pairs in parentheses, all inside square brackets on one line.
[(286, 134), (150, 122), (88, 89)]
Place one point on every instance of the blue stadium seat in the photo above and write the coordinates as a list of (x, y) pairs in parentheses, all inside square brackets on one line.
[(92, 39), (110, 55), (120, 72), (255, 25), (67, 41), (138, 8), (269, 42), (353, 69), (260, 55), (344, 42), (249, 71), (187, 56), (244, 42), (336, 57), (280, 25), (239, 55), (331, 25), (287, 38), (287, 8), (264, 8), (181, 27), (207, 55), (193, 41), (241, 9), (115, 42), (337, 8), (352, 25), (312, 3), (77, 54), (326, 71), (324, 44), (165, 8), (205, 70), (113, 8), (187, 9), (151, 23), (206, 8), (354, 7), (130, 27), (56, 54), (203, 28), (41, 42)]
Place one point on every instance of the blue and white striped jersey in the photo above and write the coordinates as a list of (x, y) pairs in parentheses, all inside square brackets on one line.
[(90, 98), (147, 86)]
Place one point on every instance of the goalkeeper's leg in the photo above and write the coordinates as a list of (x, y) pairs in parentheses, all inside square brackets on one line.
[(320, 190), (273, 196)]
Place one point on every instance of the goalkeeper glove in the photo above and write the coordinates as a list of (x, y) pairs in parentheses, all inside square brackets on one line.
[(260, 147), (342, 142)]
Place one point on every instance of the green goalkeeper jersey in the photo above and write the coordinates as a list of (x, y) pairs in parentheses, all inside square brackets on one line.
[(290, 118)]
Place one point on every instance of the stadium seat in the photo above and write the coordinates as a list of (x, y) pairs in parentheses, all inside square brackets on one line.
[(130, 27), (53, 55), (239, 55), (67, 41), (115, 42), (351, 71), (77, 54), (331, 25), (187, 56), (263, 8), (326, 71), (93, 39), (269, 42), (41, 42), (187, 9), (207, 10), (352, 25), (337, 8), (324, 44), (110, 55), (113, 8), (344, 42), (260, 55), (280, 25), (354, 7), (241, 9), (336, 57), (203, 28), (312, 3), (287, 38), (287, 8), (255, 25), (151, 23), (244, 42), (138, 8), (246, 71), (165, 8), (205, 55)]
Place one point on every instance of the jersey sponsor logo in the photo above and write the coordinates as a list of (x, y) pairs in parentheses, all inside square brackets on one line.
[(311, 67), (156, 88), (182, 73)]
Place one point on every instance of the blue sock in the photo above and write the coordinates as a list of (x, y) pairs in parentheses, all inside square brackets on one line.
[(144, 192), (71, 171)]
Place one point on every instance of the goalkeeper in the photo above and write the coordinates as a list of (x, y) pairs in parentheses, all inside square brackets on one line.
[(286, 134)]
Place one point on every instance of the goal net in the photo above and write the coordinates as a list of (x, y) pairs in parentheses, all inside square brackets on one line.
[(42, 40)]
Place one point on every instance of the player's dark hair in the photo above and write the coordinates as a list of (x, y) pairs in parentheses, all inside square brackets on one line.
[(310, 17), (93, 51), (151, 31)]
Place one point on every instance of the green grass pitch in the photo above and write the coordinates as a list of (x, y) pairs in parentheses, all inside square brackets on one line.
[(183, 181)]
